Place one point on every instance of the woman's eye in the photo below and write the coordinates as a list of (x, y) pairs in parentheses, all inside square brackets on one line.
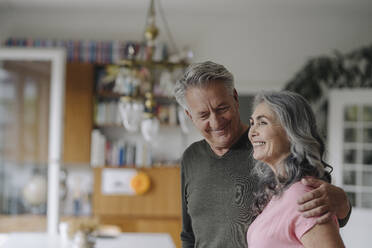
[(262, 123)]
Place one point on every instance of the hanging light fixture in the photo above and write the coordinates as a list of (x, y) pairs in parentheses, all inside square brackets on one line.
[(137, 78)]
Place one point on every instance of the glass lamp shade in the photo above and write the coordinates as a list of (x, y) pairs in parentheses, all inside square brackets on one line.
[(150, 128), (126, 82), (35, 191), (131, 114)]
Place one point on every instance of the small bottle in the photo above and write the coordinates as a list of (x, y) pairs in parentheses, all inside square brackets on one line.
[(77, 200)]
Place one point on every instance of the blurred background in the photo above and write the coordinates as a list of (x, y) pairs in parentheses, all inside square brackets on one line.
[(321, 49)]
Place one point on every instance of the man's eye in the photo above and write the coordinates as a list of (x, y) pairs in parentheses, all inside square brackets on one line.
[(222, 109), (262, 123)]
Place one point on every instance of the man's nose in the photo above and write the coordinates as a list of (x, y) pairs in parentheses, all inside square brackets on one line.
[(215, 121)]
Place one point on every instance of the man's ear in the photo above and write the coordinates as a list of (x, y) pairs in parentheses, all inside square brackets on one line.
[(188, 114), (236, 96)]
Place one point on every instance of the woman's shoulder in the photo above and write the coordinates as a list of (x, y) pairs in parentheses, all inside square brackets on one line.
[(298, 188), (294, 192)]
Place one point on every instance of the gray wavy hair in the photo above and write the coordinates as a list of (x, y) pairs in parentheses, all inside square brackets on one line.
[(201, 75), (306, 146)]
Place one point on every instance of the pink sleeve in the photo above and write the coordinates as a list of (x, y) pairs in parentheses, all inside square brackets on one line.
[(300, 225), (303, 225)]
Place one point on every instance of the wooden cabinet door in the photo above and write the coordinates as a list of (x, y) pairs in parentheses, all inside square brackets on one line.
[(158, 210), (162, 200), (78, 113)]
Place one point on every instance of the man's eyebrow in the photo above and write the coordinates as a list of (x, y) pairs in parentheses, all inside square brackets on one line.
[(222, 104)]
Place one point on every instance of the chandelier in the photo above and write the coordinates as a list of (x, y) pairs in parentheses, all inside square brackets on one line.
[(137, 77)]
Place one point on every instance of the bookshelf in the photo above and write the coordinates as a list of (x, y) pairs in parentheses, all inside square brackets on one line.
[(86, 99), (159, 210), (114, 146)]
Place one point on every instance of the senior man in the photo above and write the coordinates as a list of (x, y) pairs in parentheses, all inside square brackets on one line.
[(216, 172)]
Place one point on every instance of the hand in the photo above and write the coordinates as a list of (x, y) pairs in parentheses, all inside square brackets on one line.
[(324, 201)]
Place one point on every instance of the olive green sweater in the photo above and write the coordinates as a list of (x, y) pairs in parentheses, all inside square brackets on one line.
[(216, 195)]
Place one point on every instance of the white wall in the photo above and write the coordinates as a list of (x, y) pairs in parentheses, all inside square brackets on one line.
[(264, 45)]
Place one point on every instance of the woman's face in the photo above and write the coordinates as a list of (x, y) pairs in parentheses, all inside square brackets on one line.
[(269, 139)]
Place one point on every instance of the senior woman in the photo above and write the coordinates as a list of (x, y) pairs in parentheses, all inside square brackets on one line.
[(287, 147)]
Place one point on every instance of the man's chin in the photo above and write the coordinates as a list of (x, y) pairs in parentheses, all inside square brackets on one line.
[(220, 134), (223, 141)]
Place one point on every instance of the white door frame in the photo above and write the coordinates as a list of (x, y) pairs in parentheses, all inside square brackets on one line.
[(338, 98), (355, 233), (57, 57)]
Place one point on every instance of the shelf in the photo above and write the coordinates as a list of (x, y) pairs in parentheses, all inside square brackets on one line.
[(108, 94), (109, 129), (104, 126), (152, 64), (161, 99), (99, 126), (155, 166)]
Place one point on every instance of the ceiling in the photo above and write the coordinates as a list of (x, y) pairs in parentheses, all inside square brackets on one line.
[(191, 6)]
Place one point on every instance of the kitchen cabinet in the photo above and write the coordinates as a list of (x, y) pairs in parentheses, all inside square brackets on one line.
[(78, 113), (158, 210)]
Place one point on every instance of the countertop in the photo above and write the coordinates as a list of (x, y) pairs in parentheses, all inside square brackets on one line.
[(125, 240)]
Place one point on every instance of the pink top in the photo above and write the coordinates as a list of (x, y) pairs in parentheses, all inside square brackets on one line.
[(280, 224)]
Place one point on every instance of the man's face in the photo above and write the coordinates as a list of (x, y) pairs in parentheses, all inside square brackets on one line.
[(215, 113)]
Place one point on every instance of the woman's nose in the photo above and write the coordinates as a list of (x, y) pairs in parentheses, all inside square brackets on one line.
[(253, 131)]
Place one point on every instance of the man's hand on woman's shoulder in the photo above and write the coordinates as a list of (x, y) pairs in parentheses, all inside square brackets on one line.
[(324, 201)]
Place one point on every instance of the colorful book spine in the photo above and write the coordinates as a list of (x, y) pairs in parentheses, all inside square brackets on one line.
[(97, 52)]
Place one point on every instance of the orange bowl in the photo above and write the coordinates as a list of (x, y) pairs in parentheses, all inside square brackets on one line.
[(140, 183)]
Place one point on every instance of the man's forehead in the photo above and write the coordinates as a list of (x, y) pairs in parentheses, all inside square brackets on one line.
[(216, 90), (203, 105)]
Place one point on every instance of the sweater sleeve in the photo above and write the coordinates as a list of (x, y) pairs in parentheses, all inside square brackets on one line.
[(187, 234), (344, 221)]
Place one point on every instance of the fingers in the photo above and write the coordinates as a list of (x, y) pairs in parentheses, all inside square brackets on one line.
[(324, 218), (315, 212), (315, 203), (316, 193), (312, 182)]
